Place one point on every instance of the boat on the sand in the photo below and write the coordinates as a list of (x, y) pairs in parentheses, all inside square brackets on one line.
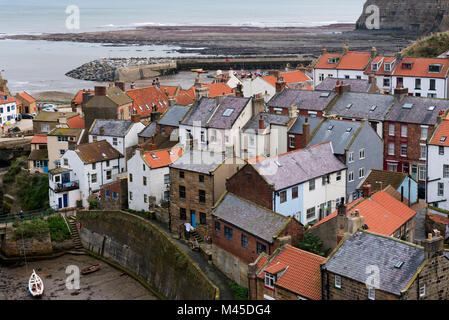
[(35, 285), (91, 269)]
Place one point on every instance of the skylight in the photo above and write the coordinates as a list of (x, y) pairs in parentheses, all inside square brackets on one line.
[(349, 106), (399, 264), (330, 127), (431, 108), (407, 106), (153, 156), (278, 163), (325, 95), (443, 139), (140, 108), (228, 112), (147, 106), (349, 130), (373, 108)]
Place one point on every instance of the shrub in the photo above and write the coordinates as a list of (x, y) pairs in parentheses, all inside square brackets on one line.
[(311, 243), (58, 229), (31, 229), (240, 293)]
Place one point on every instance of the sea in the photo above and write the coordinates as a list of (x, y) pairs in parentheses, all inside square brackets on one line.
[(37, 66)]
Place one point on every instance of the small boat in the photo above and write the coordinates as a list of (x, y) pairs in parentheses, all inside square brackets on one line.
[(199, 70), (35, 285), (91, 269)]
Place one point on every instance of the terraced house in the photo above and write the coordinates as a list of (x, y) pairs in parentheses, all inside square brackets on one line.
[(59, 140), (8, 110)]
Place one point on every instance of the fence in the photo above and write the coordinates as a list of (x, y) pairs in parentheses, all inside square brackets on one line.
[(29, 215)]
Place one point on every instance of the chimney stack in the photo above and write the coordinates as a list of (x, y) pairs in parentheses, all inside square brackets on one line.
[(201, 92), (373, 52), (371, 78), (400, 93), (261, 123), (293, 111), (345, 48), (135, 118), (120, 85), (100, 90), (280, 84), (305, 134), (433, 246), (323, 51), (258, 104), (239, 90), (366, 190), (101, 131), (341, 220)]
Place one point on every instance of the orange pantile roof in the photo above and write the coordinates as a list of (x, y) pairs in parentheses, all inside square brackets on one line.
[(290, 78), (9, 99), (170, 90), (161, 158), (354, 61), (438, 218), (441, 135), (27, 97), (39, 139), (76, 122), (78, 99), (420, 67), (383, 214), (302, 274), (323, 63), (381, 70), (183, 97), (218, 89), (255, 159), (151, 96)]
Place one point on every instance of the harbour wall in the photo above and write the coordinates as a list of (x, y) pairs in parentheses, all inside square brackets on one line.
[(147, 252)]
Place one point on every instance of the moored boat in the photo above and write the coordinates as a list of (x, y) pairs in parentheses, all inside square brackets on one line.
[(35, 285), (91, 269)]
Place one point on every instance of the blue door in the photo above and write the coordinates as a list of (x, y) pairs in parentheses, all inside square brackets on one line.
[(66, 200), (45, 166), (60, 203), (193, 215)]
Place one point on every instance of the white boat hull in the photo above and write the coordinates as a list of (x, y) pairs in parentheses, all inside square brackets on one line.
[(35, 285)]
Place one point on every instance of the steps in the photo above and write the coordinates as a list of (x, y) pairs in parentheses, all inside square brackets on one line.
[(197, 237), (74, 231)]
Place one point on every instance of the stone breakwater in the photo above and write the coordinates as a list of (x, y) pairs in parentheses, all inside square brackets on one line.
[(104, 70)]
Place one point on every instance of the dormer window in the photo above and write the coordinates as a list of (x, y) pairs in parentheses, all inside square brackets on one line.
[(332, 60), (435, 68), (374, 67), (407, 65), (270, 280), (387, 67)]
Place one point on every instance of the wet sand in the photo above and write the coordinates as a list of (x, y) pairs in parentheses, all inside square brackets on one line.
[(105, 284)]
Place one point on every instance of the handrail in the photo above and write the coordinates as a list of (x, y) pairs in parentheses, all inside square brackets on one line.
[(67, 225)]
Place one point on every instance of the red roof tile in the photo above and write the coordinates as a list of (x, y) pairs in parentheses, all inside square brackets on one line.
[(161, 158), (39, 139), (78, 99), (27, 97), (302, 274), (441, 135), (354, 61), (290, 78), (9, 99), (323, 63), (218, 89), (151, 96), (381, 70), (438, 218), (76, 122), (420, 67)]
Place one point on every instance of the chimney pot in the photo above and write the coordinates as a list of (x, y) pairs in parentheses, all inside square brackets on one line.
[(261, 123), (100, 90)]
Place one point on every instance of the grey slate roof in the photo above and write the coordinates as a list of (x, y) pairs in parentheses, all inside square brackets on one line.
[(361, 105), (357, 85), (173, 115), (297, 126), (299, 166), (304, 99), (364, 249), (338, 135), (250, 217), (199, 161), (419, 113), (200, 113), (219, 120), (112, 128), (268, 118), (148, 131)]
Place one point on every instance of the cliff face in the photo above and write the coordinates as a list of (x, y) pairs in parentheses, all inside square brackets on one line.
[(410, 16)]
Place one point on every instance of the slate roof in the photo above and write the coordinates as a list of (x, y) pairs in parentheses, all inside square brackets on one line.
[(336, 131), (299, 166), (393, 179), (297, 127), (200, 112), (97, 152), (304, 99), (302, 274), (148, 131), (219, 120), (268, 118), (357, 85), (419, 113), (118, 96), (361, 105), (199, 161), (365, 249), (173, 115), (112, 128), (251, 218)]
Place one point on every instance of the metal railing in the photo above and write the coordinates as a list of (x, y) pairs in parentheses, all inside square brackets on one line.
[(62, 187), (30, 215)]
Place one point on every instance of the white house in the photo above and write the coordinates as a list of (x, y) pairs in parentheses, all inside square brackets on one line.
[(252, 87), (64, 189), (8, 109), (91, 166), (148, 176)]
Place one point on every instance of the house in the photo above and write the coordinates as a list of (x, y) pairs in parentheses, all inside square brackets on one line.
[(358, 106), (114, 195), (357, 85), (356, 144), (149, 177), (64, 189), (299, 133), (437, 186), (26, 103), (404, 271), (243, 230), (121, 134), (288, 274), (349, 65), (407, 128), (80, 98), (382, 69), (59, 140), (92, 165), (308, 103), (379, 212), (215, 124), (8, 110), (290, 79), (425, 77), (45, 121), (401, 182), (111, 103), (254, 86), (228, 78), (304, 184), (197, 181), (38, 158), (148, 102)]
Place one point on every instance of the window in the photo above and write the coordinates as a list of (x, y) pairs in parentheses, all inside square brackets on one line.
[(201, 178), (312, 185), (94, 138), (424, 133), (387, 67), (346, 77), (182, 192), (441, 151), (351, 157), (404, 131), (66, 162), (61, 152), (350, 176), (374, 67), (108, 175), (261, 248), (202, 218), (440, 189), (310, 213), (166, 195), (130, 195), (114, 195), (417, 84), (182, 214), (325, 179), (62, 139), (107, 163), (270, 279), (422, 290), (145, 198), (144, 181), (57, 178), (403, 150), (432, 84), (228, 233), (445, 171), (217, 226), (283, 196), (130, 177), (202, 196), (361, 173), (371, 293), (114, 141), (337, 281), (386, 82), (94, 166), (144, 167), (435, 68), (181, 174), (213, 136), (244, 241), (392, 167), (166, 178), (252, 141), (423, 152), (339, 176), (391, 148), (321, 76), (203, 136), (93, 178), (291, 141), (295, 193), (422, 173), (391, 130), (362, 154)]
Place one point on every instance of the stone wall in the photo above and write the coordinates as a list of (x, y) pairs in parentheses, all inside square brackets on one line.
[(12, 247), (230, 265), (146, 251)]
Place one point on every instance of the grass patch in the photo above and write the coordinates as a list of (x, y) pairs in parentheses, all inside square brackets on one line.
[(428, 47), (240, 293), (58, 229), (31, 229)]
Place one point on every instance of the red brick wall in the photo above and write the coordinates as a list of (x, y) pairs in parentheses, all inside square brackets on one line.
[(258, 290), (243, 184), (284, 110), (303, 112), (167, 129)]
